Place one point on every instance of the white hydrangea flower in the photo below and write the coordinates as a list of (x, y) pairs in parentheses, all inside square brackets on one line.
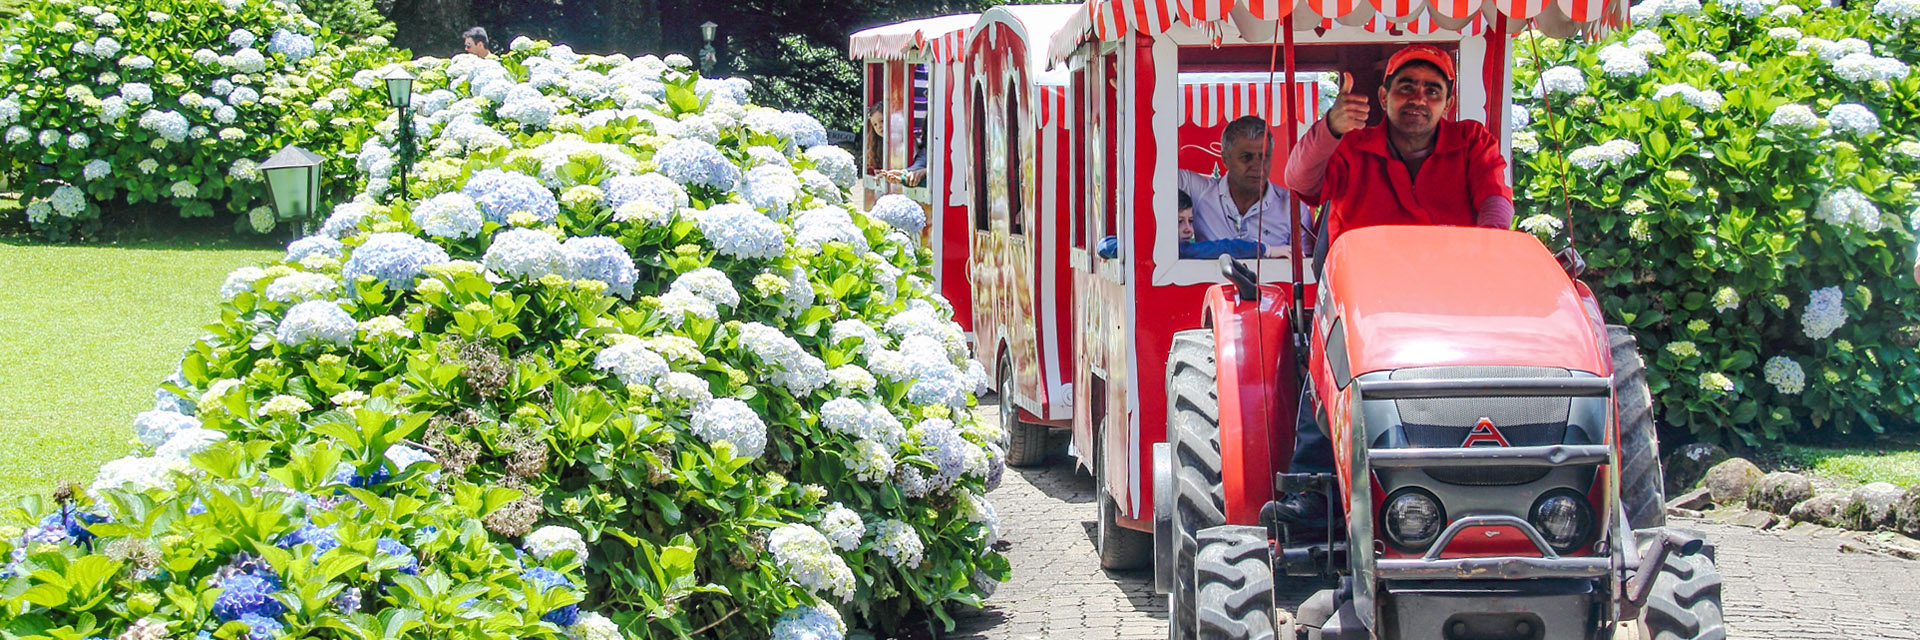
[(1793, 115), (526, 254), (851, 379), (900, 212), (449, 215), (552, 539), (302, 286), (137, 474), (731, 421), (1864, 67), (683, 388), (1621, 61), (738, 231), (1716, 381), (1826, 312), (807, 558), (186, 443), (1610, 153), (155, 428), (632, 362), (96, 169), (787, 364), (1706, 100), (1848, 207), (1785, 375), (842, 527), (1751, 8), (1726, 299), (899, 542), (1560, 79), (1897, 11), (870, 462), (1541, 224), (708, 283), (593, 626)]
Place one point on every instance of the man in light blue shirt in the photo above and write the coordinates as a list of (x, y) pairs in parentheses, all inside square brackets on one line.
[(1242, 204)]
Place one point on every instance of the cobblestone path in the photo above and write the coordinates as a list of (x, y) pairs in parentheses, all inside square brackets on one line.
[(1778, 585)]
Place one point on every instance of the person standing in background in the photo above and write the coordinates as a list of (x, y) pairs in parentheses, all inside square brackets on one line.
[(476, 42)]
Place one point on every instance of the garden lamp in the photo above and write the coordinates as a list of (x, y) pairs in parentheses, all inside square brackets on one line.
[(400, 96), (293, 180), (708, 57), (399, 88)]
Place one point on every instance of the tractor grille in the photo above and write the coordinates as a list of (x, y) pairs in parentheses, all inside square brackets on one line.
[(1446, 422)]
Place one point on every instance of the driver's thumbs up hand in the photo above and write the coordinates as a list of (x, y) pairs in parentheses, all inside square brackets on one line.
[(1349, 111)]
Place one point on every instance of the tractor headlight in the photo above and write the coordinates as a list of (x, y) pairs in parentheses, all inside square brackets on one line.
[(1413, 519), (1564, 518)]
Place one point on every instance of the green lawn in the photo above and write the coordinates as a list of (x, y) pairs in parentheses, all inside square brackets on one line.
[(86, 333), (1857, 466)]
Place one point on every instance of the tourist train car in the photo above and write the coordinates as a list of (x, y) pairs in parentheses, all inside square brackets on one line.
[(912, 73)]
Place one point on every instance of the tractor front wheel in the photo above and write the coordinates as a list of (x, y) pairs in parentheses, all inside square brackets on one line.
[(1024, 442), (1235, 573), (1685, 601), (1193, 425), (1642, 489)]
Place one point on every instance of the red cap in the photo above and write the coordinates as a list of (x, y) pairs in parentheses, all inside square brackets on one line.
[(1421, 53)]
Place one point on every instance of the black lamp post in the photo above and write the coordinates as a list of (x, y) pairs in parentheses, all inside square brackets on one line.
[(293, 180), (400, 97), (708, 57)]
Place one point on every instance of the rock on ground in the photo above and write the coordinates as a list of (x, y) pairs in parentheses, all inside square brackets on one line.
[(1906, 516), (1779, 491), (1731, 480), (1872, 506), (1822, 509)]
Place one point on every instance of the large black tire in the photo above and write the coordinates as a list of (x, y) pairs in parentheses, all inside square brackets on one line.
[(1193, 426), (1685, 601), (1024, 442), (1234, 571), (1120, 548), (1642, 487)]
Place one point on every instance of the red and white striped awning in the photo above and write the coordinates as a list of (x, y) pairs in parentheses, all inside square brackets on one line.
[(939, 37), (1112, 19), (1216, 103)]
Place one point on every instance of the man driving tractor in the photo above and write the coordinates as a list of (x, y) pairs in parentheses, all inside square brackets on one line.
[(1416, 167)]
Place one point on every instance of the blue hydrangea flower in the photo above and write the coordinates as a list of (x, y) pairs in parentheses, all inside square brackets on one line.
[(294, 46), (527, 106), (503, 193), (695, 162), (345, 475), (652, 188), (604, 259), (738, 231), (836, 163), (449, 215), (262, 627), (345, 220), (316, 320), (393, 258), (69, 524), (901, 212), (247, 595), (323, 540), (525, 254), (392, 547), (402, 456), (318, 245), (548, 580)]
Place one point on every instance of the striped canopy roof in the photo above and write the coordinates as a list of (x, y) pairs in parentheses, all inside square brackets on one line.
[(1112, 19), (939, 37)]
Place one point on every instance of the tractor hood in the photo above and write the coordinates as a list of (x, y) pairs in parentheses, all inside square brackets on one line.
[(1423, 296)]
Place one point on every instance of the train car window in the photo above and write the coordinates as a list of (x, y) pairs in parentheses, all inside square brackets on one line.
[(1110, 143), (982, 218), (1016, 185), (1078, 182)]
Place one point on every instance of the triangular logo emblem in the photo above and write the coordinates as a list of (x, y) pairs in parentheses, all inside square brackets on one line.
[(1484, 434)]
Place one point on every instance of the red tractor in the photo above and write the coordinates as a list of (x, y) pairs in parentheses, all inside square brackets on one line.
[(1496, 456)]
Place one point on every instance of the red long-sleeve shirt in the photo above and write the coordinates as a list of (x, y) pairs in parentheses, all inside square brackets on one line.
[(1462, 182)]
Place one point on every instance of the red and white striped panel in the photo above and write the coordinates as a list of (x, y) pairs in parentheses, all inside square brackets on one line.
[(1109, 21), (1202, 11), (1333, 8), (1051, 102), (1582, 10), (1397, 10), (1455, 8), (1152, 16), (1519, 10), (948, 47), (1268, 9), (1422, 25), (1214, 104)]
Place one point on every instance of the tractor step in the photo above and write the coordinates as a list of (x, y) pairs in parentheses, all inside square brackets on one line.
[(1303, 482)]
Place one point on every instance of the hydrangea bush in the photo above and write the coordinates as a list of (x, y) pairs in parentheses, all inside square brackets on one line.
[(1741, 176), (113, 104), (623, 337)]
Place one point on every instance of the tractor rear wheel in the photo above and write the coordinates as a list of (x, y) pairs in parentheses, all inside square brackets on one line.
[(1120, 548), (1024, 442), (1235, 573), (1193, 425), (1685, 601), (1642, 489)]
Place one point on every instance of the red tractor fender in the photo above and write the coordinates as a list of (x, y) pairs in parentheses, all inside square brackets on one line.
[(1259, 394)]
